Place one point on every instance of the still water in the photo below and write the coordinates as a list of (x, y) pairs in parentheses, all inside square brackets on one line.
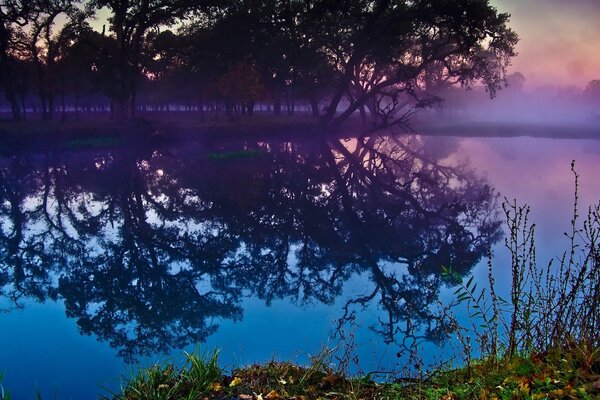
[(116, 258)]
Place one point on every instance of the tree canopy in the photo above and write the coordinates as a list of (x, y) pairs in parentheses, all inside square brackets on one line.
[(340, 58)]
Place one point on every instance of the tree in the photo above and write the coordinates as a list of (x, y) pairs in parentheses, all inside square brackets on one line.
[(381, 49), (42, 46), (78, 67), (516, 82), (14, 14), (130, 22), (592, 90), (241, 85)]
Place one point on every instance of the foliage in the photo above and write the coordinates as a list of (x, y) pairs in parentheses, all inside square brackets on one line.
[(571, 373), (553, 307), (592, 90), (374, 59), (194, 380), (4, 395), (241, 84)]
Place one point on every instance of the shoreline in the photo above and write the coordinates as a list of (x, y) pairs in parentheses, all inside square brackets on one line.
[(159, 129)]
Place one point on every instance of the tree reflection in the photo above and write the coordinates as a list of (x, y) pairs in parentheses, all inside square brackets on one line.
[(150, 248)]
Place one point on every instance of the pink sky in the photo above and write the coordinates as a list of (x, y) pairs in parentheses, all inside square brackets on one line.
[(560, 40)]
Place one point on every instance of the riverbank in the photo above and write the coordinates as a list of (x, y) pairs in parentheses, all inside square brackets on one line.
[(98, 131), (572, 373)]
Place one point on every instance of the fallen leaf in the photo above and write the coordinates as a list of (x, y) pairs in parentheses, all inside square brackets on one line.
[(331, 379), (449, 396), (216, 386), (273, 395), (236, 381), (524, 385)]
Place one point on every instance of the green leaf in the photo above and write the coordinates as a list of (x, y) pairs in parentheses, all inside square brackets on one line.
[(463, 296), (470, 281), (481, 294)]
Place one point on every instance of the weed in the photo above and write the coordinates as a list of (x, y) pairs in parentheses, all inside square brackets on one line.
[(195, 379), (3, 395)]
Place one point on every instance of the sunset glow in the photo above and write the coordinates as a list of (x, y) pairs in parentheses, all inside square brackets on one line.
[(560, 40)]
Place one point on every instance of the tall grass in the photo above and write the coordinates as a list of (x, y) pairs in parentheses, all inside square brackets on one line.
[(4, 395), (553, 306), (194, 380)]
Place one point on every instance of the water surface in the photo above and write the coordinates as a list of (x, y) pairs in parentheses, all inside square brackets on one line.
[(116, 257)]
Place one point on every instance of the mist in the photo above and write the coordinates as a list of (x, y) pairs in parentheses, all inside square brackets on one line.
[(552, 107)]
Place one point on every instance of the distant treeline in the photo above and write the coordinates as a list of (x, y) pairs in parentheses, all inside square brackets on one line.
[(334, 58)]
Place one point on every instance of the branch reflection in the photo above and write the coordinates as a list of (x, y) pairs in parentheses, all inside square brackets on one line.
[(149, 249)]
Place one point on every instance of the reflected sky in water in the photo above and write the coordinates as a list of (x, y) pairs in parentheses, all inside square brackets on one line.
[(261, 249)]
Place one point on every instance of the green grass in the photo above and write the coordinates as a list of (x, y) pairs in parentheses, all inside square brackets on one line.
[(572, 373), (194, 380), (4, 394)]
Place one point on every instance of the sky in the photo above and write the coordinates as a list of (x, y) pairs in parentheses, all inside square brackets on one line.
[(560, 40)]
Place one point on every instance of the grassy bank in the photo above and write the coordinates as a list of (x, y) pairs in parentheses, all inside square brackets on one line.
[(572, 373), (92, 129), (179, 122), (567, 373), (97, 130)]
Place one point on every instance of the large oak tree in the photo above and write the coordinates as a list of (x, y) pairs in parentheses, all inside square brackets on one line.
[(381, 49)]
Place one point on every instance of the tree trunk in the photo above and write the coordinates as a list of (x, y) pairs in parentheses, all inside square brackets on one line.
[(23, 108), (14, 106), (276, 102), (314, 106)]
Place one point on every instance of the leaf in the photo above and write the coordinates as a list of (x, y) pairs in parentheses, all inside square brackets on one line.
[(236, 381), (481, 294), (273, 395), (524, 385), (463, 296), (331, 379), (470, 281)]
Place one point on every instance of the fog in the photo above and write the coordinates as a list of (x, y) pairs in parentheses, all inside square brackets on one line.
[(550, 106)]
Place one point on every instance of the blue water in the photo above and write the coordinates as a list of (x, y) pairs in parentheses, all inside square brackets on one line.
[(115, 258)]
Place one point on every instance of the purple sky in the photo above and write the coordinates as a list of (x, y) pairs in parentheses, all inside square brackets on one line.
[(560, 40)]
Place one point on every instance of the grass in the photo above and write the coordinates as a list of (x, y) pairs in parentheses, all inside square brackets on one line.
[(4, 395), (196, 379), (99, 124), (572, 373)]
